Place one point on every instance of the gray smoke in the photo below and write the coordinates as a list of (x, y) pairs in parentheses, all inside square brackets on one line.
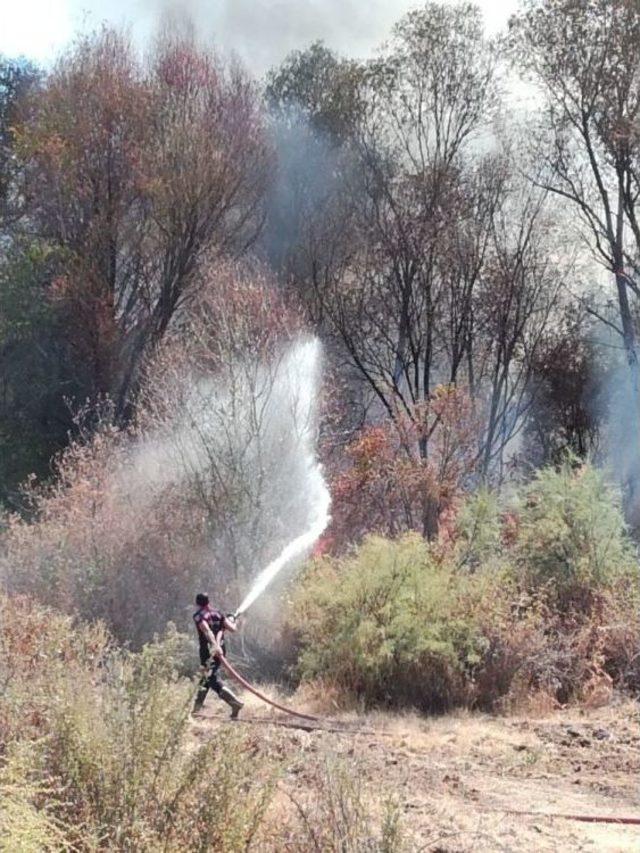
[(619, 406), (262, 32)]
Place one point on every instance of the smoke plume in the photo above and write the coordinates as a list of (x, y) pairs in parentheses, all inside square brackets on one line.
[(262, 32)]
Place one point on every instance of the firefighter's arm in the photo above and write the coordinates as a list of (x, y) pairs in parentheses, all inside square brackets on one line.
[(230, 623), (214, 645)]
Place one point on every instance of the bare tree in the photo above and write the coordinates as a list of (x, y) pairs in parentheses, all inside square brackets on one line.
[(584, 57), (428, 97), (519, 296)]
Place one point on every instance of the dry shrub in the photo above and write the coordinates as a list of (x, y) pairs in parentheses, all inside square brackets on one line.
[(135, 522), (38, 649), (333, 815), (95, 748), (102, 543), (27, 819), (97, 753), (619, 636)]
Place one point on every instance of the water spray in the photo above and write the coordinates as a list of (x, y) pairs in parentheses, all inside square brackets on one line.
[(293, 550), (300, 377)]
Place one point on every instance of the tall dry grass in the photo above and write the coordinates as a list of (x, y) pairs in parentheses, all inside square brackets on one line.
[(97, 752)]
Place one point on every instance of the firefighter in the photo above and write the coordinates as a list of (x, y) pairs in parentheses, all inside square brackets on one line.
[(211, 625)]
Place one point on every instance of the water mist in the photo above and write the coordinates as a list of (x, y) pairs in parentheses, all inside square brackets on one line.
[(243, 443), (298, 380)]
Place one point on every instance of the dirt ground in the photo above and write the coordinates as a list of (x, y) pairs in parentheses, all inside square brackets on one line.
[(464, 782)]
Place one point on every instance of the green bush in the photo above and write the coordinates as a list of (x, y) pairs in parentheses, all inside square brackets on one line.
[(27, 822), (390, 624), (572, 538), (478, 530), (543, 597)]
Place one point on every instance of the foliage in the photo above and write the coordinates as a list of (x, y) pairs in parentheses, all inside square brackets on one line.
[(17, 78), (138, 183), (388, 483), (572, 535), (551, 604), (320, 86), (39, 370), (569, 373), (477, 529), (389, 624), (99, 544), (26, 820), (100, 737)]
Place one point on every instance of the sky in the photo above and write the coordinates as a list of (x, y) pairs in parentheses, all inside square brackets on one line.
[(261, 32)]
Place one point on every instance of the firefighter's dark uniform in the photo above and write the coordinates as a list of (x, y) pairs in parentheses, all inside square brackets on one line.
[(210, 680), (215, 621)]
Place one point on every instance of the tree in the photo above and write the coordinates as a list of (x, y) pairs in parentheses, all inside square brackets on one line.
[(385, 484), (584, 57), (319, 86), (519, 298), (17, 77), (449, 277), (427, 97), (567, 370), (39, 369), (138, 174), (425, 258)]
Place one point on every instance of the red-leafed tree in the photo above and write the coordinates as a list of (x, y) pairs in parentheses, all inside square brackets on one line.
[(389, 485)]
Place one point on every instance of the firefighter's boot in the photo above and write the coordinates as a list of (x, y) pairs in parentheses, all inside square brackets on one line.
[(232, 700), (200, 697)]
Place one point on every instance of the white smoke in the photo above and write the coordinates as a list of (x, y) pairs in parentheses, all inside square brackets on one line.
[(618, 407)]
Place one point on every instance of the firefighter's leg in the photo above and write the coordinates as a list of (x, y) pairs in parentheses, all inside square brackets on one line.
[(232, 700), (203, 689), (223, 691)]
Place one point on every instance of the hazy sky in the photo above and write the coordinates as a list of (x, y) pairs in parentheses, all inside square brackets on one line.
[(260, 31)]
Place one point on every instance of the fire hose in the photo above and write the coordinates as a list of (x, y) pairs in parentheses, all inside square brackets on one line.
[(235, 674), (583, 818)]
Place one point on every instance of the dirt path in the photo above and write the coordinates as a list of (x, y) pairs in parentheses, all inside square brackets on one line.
[(461, 780)]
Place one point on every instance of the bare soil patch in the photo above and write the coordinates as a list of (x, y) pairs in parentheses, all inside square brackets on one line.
[(469, 781)]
